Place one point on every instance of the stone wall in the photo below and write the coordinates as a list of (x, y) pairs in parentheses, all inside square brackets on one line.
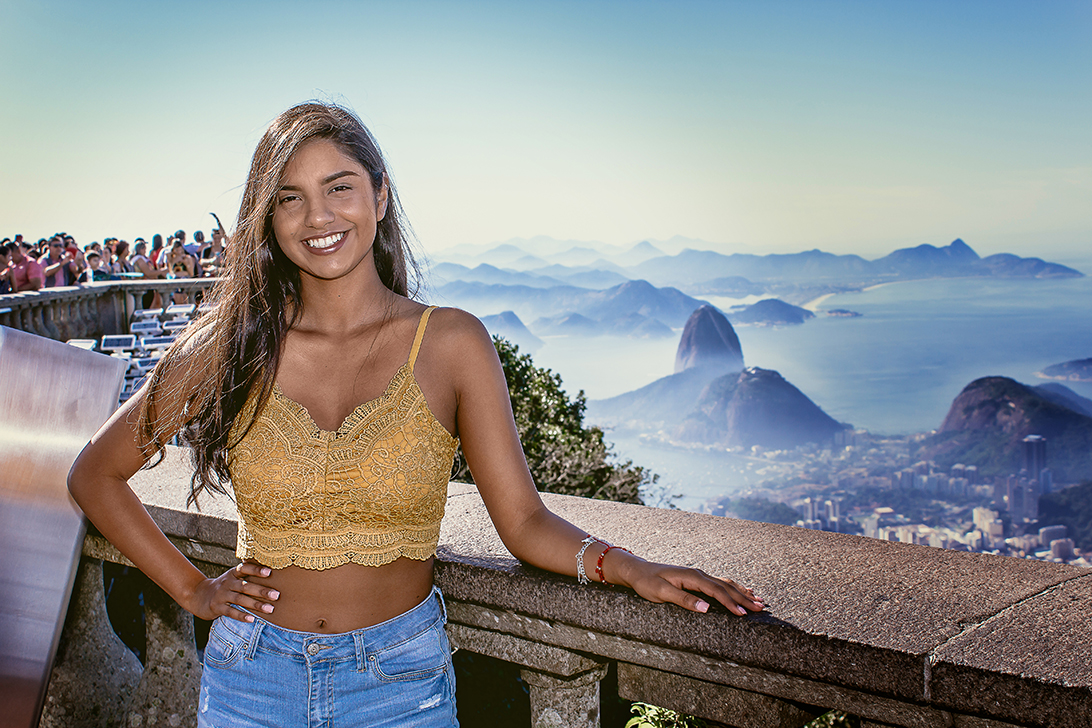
[(89, 311), (900, 635)]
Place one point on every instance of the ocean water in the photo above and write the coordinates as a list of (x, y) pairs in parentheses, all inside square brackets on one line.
[(893, 370)]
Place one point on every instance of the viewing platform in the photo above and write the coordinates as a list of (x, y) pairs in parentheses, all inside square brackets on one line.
[(90, 311), (897, 634)]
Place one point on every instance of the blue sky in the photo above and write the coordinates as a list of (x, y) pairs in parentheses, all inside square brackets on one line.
[(853, 127)]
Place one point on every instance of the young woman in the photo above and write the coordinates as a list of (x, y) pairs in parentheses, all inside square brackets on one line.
[(335, 402)]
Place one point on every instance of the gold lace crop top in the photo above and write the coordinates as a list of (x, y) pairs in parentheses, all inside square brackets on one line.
[(370, 492)]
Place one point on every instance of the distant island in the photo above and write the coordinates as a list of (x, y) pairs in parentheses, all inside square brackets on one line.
[(842, 313), (1078, 370), (771, 312)]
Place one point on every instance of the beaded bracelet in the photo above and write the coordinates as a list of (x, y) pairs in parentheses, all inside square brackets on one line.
[(599, 564)]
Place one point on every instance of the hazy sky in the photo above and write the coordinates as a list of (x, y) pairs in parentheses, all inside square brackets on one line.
[(854, 127)]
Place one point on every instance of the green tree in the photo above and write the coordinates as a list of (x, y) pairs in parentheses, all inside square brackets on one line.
[(1072, 508), (562, 454)]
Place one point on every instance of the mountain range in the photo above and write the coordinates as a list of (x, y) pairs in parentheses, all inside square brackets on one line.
[(542, 263), (632, 301), (692, 265)]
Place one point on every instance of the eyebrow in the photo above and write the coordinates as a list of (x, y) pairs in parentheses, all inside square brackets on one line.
[(325, 181)]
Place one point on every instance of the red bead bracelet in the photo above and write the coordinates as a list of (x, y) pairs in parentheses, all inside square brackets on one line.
[(599, 564)]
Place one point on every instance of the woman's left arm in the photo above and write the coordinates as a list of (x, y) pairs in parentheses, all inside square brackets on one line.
[(528, 529)]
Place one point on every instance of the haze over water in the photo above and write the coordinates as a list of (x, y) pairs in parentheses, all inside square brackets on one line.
[(893, 370)]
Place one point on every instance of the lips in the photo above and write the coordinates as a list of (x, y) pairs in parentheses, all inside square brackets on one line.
[(325, 242)]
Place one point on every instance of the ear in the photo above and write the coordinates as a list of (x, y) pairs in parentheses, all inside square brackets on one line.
[(381, 200)]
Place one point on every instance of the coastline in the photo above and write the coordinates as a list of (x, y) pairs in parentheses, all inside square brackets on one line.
[(813, 304)]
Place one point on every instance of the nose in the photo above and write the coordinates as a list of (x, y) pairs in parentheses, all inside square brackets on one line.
[(318, 214)]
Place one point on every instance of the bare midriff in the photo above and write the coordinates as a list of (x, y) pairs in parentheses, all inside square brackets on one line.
[(346, 597)]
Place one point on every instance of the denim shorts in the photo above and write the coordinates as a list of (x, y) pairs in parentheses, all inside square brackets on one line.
[(396, 673)]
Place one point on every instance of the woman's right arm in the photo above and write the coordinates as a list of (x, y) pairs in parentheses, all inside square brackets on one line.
[(98, 482)]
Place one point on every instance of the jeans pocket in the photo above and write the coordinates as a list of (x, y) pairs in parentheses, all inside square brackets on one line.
[(421, 656), (225, 645)]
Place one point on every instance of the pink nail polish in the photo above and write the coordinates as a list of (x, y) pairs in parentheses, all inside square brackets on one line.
[(274, 594), (267, 608), (702, 606), (249, 618), (266, 572)]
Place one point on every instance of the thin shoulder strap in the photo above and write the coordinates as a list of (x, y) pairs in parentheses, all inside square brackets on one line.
[(420, 335)]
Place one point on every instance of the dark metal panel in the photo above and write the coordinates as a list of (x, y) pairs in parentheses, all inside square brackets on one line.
[(52, 399)]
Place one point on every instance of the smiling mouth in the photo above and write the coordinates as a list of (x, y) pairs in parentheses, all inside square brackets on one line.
[(325, 242)]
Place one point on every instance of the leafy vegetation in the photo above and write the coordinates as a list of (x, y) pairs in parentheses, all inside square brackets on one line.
[(835, 719), (1071, 508), (563, 455), (762, 510), (651, 716), (917, 505)]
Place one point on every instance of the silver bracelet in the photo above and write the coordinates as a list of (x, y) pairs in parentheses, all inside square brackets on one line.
[(581, 575)]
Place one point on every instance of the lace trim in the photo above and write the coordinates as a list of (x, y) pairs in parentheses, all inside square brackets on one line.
[(321, 551)]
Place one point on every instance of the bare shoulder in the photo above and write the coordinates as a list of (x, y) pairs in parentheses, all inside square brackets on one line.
[(459, 337), (455, 327)]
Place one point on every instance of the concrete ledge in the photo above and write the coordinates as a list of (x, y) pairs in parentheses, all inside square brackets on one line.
[(896, 633)]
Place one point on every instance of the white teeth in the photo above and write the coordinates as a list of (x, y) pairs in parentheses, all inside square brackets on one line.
[(325, 242)]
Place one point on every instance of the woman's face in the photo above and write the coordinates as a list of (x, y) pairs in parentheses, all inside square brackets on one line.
[(326, 212)]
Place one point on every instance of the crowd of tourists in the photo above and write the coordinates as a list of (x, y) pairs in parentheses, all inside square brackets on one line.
[(59, 261)]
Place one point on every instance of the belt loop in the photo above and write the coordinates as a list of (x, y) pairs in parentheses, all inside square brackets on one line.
[(252, 643), (358, 643), (440, 595)]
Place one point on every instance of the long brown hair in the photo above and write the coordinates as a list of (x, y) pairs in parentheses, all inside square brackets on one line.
[(234, 348)]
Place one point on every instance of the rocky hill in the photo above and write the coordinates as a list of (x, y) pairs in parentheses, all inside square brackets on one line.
[(709, 400), (508, 326), (669, 306), (926, 261), (708, 341), (991, 416), (568, 324), (663, 403), (772, 312), (1066, 397), (756, 407)]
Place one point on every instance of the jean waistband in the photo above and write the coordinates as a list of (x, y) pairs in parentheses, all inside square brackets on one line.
[(354, 645)]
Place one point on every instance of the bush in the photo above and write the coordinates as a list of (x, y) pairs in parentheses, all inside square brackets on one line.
[(562, 454)]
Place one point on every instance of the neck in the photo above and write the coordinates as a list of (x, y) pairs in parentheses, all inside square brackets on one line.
[(344, 306)]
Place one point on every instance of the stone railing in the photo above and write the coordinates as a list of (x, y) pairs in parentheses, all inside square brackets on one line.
[(897, 634), (89, 311)]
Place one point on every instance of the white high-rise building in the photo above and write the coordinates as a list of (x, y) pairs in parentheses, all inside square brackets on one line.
[(1051, 533), (1062, 549)]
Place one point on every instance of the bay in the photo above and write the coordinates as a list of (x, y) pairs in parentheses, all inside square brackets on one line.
[(893, 370)]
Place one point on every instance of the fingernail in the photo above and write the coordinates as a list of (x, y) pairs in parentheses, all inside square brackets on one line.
[(266, 572), (249, 618), (740, 610), (267, 608), (274, 594), (702, 606)]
